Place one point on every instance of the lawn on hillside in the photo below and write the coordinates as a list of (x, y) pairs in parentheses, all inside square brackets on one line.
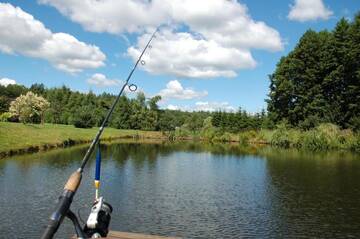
[(15, 136)]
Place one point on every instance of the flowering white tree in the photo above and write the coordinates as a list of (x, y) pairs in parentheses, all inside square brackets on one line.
[(29, 108)]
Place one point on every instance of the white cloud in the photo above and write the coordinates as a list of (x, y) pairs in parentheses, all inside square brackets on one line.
[(7, 81), (183, 55), (101, 80), (226, 22), (204, 106), (21, 34), (222, 32), (113, 16), (213, 106), (174, 90), (307, 10), (173, 107)]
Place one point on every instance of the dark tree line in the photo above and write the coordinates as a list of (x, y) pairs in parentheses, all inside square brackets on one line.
[(319, 81), (87, 110)]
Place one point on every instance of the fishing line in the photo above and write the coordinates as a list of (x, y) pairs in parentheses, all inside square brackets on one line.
[(101, 210), (103, 125)]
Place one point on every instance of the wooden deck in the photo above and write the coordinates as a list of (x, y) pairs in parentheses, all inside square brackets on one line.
[(128, 235)]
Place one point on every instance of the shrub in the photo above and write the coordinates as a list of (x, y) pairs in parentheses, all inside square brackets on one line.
[(265, 135), (8, 117), (182, 132), (84, 119), (247, 136), (281, 136), (314, 140), (324, 136), (209, 133), (29, 108), (355, 144), (244, 138), (225, 137)]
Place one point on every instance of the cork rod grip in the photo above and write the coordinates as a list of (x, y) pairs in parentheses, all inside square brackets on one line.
[(73, 182)]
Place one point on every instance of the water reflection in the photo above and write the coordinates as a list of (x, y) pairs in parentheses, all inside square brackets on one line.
[(315, 193), (193, 190)]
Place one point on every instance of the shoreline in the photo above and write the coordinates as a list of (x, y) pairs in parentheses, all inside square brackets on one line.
[(65, 144), (19, 139)]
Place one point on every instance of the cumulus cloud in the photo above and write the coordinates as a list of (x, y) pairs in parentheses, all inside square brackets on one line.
[(173, 107), (21, 34), (218, 44), (226, 22), (213, 106), (183, 55), (307, 10), (113, 16), (204, 106), (174, 90), (7, 81), (101, 80)]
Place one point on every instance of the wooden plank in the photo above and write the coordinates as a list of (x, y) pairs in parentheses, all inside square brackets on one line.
[(129, 235)]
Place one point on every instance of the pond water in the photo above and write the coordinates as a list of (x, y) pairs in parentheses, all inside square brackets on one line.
[(191, 190)]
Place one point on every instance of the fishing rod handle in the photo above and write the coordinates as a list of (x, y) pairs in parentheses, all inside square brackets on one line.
[(74, 181), (63, 205)]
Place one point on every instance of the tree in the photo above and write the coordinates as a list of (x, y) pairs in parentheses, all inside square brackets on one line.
[(153, 102), (8, 94), (319, 81), (29, 108)]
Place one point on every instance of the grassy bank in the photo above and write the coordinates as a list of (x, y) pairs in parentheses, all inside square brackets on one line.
[(323, 137), (17, 138)]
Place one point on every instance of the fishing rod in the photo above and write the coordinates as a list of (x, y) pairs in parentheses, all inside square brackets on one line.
[(99, 208)]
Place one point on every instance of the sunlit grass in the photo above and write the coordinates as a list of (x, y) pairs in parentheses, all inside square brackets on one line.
[(14, 136)]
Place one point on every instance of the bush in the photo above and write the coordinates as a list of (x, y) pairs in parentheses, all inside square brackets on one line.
[(264, 136), (84, 119), (244, 138), (281, 136), (247, 136), (209, 133), (326, 136), (8, 117), (182, 132), (29, 108), (225, 137), (315, 140), (355, 144)]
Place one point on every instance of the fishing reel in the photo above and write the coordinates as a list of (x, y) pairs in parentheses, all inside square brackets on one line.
[(97, 224)]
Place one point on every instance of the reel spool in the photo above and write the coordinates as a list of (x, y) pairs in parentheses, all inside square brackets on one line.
[(97, 225)]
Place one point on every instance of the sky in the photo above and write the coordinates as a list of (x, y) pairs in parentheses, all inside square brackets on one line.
[(208, 55)]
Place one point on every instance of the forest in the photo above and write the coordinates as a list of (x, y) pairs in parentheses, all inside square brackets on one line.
[(87, 109), (317, 82)]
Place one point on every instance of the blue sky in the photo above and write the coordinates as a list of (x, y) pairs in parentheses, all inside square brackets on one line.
[(204, 58)]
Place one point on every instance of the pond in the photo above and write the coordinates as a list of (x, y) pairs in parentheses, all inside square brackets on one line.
[(191, 190)]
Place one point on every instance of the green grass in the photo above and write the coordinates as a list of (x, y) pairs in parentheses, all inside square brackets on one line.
[(324, 137), (17, 136)]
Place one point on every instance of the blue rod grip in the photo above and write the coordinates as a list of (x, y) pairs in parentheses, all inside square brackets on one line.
[(98, 164)]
